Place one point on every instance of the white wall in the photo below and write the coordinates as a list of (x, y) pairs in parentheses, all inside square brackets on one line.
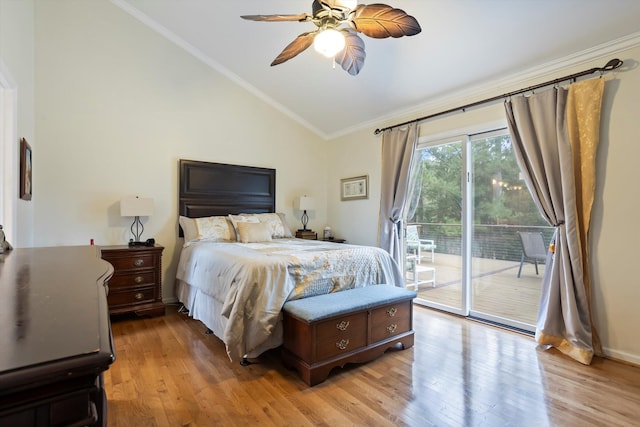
[(118, 105), (614, 234), (17, 56)]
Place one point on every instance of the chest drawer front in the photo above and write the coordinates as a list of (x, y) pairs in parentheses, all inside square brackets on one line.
[(341, 335), (132, 262), (122, 280), (347, 324), (390, 320), (134, 296)]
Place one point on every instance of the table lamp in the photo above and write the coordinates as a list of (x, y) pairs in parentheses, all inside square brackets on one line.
[(136, 207)]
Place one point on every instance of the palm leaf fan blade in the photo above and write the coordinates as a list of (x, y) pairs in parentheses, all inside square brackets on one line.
[(299, 45), (380, 21), (277, 18), (352, 57)]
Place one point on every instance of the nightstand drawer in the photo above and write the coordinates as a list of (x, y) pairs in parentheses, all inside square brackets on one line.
[(122, 280), (133, 296), (138, 261)]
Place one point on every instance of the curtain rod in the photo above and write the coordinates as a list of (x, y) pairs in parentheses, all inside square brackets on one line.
[(611, 65)]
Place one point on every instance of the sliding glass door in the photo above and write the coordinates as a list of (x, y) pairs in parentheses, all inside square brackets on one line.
[(469, 199), (436, 211)]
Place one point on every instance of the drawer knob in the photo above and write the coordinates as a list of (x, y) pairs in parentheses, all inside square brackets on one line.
[(139, 279), (343, 325), (392, 311), (139, 296), (342, 344), (392, 328), (139, 262)]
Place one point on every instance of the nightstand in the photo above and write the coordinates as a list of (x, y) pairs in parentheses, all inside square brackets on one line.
[(334, 240), (307, 234), (136, 284)]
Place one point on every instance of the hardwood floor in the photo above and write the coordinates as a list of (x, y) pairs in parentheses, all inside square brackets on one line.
[(459, 373)]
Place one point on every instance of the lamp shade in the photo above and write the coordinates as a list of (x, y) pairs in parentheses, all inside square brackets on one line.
[(304, 203), (136, 206)]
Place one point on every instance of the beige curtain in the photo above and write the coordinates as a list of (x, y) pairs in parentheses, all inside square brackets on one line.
[(398, 148), (555, 136)]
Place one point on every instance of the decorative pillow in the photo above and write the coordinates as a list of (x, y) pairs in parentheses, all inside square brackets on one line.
[(189, 228), (276, 222), (236, 219), (217, 228), (214, 228), (253, 232), (285, 225)]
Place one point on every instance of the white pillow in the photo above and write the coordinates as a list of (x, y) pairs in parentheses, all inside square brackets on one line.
[(213, 228), (253, 232), (189, 228)]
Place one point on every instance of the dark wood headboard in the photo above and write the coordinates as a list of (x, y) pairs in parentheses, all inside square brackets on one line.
[(210, 189)]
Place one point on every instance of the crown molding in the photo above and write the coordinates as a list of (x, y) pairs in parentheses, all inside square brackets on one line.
[(459, 97), (501, 85)]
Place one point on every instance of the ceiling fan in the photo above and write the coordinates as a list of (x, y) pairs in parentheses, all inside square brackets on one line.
[(338, 23)]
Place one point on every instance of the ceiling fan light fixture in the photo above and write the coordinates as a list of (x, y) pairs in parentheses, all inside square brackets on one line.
[(338, 22), (329, 42)]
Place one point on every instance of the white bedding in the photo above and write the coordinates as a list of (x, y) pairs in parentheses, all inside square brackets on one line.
[(250, 282)]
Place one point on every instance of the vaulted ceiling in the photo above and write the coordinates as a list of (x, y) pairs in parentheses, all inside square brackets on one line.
[(464, 46)]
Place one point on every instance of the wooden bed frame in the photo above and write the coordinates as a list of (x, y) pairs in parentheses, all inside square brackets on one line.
[(219, 189), (212, 189)]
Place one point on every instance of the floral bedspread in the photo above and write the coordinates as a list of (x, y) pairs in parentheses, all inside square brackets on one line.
[(254, 280)]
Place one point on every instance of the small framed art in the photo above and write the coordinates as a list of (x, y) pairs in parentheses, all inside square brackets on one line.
[(26, 186), (354, 188)]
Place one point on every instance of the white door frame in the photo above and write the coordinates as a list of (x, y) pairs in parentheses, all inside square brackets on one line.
[(8, 153)]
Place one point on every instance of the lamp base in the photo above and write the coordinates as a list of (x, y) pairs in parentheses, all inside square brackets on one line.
[(305, 220)]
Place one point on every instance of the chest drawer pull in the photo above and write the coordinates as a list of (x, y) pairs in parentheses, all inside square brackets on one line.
[(342, 344), (139, 296), (392, 328), (392, 311), (139, 279), (343, 325), (139, 262)]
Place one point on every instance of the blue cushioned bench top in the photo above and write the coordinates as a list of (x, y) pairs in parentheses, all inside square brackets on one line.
[(324, 306)]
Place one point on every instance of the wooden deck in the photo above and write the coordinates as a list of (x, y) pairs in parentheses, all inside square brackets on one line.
[(496, 288)]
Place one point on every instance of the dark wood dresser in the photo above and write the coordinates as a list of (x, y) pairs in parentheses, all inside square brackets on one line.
[(55, 337), (136, 285)]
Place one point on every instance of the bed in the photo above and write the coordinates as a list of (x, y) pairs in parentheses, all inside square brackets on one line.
[(240, 263)]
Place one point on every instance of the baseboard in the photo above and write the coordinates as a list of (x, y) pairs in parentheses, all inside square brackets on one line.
[(622, 357)]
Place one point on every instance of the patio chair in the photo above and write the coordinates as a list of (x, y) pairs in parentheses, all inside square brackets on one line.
[(533, 249), (417, 245)]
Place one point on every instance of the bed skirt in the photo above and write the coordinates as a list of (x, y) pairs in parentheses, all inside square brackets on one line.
[(206, 309)]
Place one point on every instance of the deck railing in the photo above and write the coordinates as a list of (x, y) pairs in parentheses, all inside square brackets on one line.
[(489, 241)]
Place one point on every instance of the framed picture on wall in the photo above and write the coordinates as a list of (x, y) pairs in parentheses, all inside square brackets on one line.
[(26, 182), (354, 188)]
